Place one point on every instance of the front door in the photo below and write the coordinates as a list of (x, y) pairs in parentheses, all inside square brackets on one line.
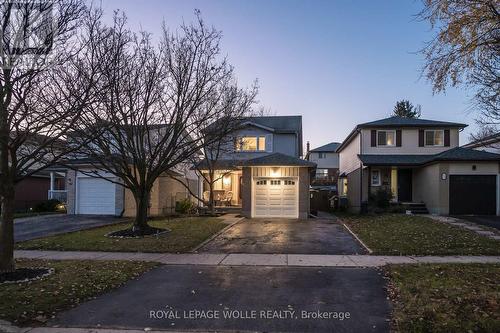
[(404, 185)]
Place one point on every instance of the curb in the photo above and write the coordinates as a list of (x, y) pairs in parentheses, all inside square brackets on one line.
[(223, 230), (370, 251)]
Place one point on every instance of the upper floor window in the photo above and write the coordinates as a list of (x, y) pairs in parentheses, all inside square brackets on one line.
[(434, 138), (321, 155), (386, 138), (321, 173), (251, 143)]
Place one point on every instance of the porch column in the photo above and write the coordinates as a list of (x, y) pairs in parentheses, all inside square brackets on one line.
[(52, 183), (200, 190), (394, 183)]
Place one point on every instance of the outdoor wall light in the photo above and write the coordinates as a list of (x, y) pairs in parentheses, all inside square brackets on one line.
[(275, 172), (443, 176)]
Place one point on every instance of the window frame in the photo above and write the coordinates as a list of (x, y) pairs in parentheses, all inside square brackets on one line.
[(323, 175), (379, 183), (434, 137), (386, 145), (321, 155), (258, 140)]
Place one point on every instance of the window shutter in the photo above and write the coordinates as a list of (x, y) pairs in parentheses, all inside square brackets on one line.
[(446, 137), (420, 138), (269, 143), (374, 138), (398, 138)]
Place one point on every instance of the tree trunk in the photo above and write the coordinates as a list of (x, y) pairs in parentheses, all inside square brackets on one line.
[(7, 230), (141, 211), (211, 199)]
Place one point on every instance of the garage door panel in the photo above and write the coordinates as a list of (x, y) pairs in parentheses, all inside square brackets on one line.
[(275, 198), (473, 194), (95, 196)]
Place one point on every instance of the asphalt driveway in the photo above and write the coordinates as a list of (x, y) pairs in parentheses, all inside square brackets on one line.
[(47, 225), (486, 220), (311, 236), (293, 297)]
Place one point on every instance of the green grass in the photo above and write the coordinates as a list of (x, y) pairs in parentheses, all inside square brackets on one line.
[(73, 282), (186, 233), (417, 235), (445, 298)]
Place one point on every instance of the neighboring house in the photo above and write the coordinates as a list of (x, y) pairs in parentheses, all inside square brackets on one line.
[(262, 169), (37, 188), (490, 144), (327, 161), (105, 196), (419, 161)]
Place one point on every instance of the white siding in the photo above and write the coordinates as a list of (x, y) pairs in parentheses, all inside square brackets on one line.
[(348, 157), (331, 161), (409, 143)]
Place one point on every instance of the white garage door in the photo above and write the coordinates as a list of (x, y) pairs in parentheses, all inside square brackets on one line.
[(276, 197), (95, 196)]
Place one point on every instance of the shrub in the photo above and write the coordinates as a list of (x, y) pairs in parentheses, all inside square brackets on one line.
[(47, 206), (184, 206), (382, 198)]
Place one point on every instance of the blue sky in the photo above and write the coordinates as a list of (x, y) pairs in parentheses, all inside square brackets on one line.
[(337, 63)]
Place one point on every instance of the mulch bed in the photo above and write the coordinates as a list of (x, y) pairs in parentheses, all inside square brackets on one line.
[(25, 274), (134, 233)]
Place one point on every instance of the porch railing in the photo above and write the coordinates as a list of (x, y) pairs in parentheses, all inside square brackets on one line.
[(60, 195)]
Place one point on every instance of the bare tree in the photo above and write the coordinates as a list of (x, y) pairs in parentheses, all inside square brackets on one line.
[(156, 103), (483, 132), (466, 50), (38, 55)]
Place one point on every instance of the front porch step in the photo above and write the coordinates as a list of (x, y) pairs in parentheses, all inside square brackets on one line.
[(416, 207)]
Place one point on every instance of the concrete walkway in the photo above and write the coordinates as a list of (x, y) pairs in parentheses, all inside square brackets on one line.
[(242, 259), (478, 229)]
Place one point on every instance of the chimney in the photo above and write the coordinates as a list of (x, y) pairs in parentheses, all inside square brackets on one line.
[(308, 146)]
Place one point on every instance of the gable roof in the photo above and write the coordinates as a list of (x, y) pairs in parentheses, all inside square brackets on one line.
[(278, 159), (455, 154), (275, 159), (409, 122), (400, 122), (290, 124), (329, 147)]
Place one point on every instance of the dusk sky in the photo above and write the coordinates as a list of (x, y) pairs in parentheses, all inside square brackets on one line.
[(337, 63)]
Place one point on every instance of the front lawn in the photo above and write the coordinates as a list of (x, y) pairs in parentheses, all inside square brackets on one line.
[(72, 282), (391, 234), (185, 234), (445, 298)]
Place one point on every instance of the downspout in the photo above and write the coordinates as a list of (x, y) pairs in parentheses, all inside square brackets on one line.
[(360, 169)]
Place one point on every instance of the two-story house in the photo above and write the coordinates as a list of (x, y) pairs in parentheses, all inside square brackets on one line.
[(327, 164), (419, 161), (262, 169)]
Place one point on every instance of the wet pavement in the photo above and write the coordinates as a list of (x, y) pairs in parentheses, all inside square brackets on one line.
[(267, 299), (285, 236)]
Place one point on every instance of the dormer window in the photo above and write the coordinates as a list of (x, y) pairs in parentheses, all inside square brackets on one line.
[(251, 143), (386, 138), (434, 138)]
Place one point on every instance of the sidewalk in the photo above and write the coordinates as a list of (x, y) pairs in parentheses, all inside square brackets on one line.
[(241, 259)]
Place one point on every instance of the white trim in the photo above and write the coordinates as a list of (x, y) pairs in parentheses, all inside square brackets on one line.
[(246, 123), (433, 130), (389, 130)]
